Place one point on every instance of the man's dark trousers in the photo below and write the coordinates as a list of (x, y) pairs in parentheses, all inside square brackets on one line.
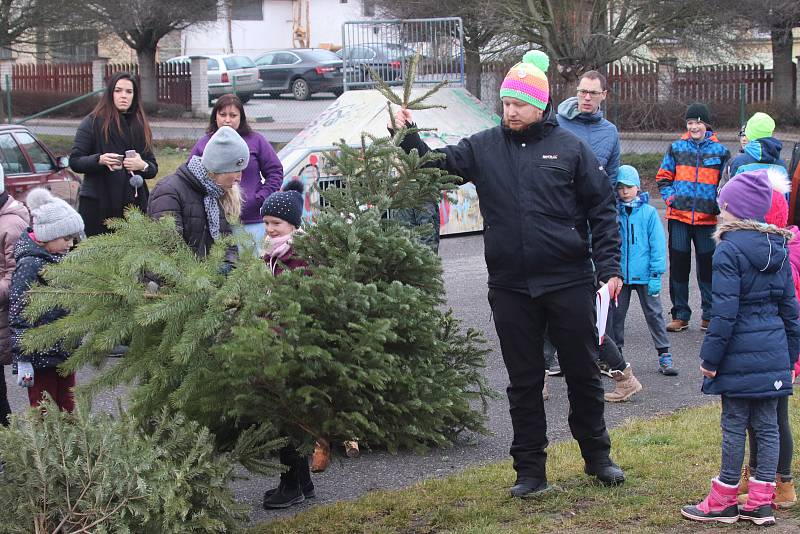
[(520, 322)]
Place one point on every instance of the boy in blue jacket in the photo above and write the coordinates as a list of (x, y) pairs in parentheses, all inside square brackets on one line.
[(750, 348), (643, 261)]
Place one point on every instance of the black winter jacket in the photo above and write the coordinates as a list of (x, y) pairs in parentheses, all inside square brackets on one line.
[(180, 196), (31, 258), (540, 190), (105, 194)]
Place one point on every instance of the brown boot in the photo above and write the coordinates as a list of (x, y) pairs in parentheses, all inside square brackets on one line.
[(677, 325), (321, 457), (545, 393), (785, 495), (625, 386), (743, 484)]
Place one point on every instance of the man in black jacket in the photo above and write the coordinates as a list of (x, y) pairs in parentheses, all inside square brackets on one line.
[(540, 188)]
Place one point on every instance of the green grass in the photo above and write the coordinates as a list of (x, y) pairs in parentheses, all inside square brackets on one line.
[(669, 462)]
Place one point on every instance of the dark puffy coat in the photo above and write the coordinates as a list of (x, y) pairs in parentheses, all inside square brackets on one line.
[(104, 194), (753, 338), (180, 196), (539, 191), (31, 259)]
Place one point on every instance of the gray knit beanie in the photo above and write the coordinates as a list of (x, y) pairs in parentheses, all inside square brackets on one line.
[(226, 151), (52, 217)]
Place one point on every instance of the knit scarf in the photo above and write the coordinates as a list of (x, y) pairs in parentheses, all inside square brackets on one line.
[(213, 193)]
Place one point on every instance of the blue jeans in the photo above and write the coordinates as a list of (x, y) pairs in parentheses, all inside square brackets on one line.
[(681, 236), (762, 417), (784, 439), (258, 232)]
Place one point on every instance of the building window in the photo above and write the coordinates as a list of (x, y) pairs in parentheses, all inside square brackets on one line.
[(5, 53), (342, 1), (74, 46), (368, 8), (247, 10)]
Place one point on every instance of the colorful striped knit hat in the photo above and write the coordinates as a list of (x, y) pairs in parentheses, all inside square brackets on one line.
[(527, 80)]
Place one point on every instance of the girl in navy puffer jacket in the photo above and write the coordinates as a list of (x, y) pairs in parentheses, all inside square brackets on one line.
[(751, 346)]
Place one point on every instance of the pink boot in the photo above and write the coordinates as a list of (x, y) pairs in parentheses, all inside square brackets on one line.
[(758, 507), (720, 505)]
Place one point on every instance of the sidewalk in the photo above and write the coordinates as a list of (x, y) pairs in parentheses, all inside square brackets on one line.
[(172, 128), (282, 132)]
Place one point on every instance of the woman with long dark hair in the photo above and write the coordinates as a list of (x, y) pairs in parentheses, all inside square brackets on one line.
[(264, 172), (114, 150)]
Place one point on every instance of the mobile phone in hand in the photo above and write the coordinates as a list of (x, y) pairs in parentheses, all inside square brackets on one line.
[(130, 153)]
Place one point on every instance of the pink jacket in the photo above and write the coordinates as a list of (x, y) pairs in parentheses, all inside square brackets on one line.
[(14, 219), (794, 260)]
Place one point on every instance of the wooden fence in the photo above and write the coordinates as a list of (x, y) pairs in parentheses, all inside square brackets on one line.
[(66, 78), (721, 83), (642, 82), (173, 81)]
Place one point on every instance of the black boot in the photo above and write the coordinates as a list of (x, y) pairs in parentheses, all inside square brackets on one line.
[(304, 478), (288, 492), (606, 471), (525, 488)]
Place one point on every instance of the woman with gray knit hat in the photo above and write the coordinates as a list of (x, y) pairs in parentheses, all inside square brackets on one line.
[(203, 194), (55, 227)]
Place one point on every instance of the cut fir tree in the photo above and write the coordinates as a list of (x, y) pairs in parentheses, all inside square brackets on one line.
[(355, 347)]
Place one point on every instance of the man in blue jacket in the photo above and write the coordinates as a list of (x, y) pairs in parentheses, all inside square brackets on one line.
[(540, 188), (582, 116)]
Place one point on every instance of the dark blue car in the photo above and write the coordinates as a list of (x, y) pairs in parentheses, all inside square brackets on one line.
[(301, 71)]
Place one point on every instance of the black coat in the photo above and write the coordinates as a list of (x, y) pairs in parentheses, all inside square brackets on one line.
[(105, 194), (180, 196), (31, 258), (540, 190)]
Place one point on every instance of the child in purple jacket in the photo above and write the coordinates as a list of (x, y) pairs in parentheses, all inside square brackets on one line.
[(263, 174)]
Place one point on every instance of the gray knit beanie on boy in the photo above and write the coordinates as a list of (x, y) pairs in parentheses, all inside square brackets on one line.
[(52, 217), (226, 151)]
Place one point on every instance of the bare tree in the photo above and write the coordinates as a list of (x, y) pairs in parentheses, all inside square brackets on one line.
[(581, 35), (22, 23), (141, 24), (486, 30), (778, 17)]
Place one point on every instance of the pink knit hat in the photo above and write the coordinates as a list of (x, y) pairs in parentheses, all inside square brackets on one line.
[(778, 213), (527, 81)]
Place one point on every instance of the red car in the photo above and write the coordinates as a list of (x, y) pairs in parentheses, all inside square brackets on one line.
[(28, 163)]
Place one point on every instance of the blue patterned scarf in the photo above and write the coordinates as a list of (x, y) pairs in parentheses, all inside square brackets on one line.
[(213, 193)]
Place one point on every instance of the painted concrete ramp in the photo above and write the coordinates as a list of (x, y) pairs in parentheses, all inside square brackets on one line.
[(355, 112)]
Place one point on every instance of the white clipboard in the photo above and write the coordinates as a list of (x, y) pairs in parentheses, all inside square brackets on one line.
[(602, 300)]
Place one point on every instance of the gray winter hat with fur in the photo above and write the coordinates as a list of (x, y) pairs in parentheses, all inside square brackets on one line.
[(226, 151), (52, 217)]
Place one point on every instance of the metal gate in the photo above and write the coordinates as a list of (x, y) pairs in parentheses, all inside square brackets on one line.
[(387, 45)]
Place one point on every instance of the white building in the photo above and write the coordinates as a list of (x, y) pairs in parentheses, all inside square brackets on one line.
[(250, 27)]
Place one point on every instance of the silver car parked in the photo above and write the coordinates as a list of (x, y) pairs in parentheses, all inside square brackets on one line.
[(229, 73)]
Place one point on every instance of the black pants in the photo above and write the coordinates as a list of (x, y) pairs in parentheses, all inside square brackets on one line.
[(299, 473), (5, 409), (569, 316)]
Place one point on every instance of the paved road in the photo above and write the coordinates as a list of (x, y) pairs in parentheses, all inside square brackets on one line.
[(465, 279), (289, 116)]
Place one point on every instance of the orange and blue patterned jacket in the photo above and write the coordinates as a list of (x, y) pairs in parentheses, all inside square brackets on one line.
[(689, 177)]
